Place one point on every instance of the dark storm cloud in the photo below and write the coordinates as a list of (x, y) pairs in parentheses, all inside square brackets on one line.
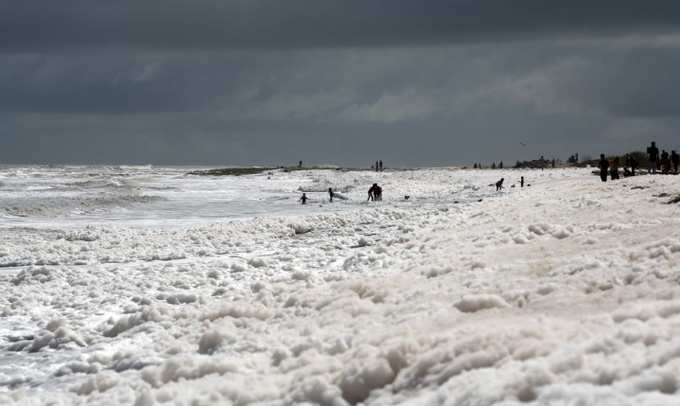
[(96, 83), (380, 85), (255, 81), (641, 82), (219, 24)]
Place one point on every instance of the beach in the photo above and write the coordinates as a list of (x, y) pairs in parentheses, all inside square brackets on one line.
[(144, 286)]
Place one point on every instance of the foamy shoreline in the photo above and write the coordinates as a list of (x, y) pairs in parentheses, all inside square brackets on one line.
[(558, 293)]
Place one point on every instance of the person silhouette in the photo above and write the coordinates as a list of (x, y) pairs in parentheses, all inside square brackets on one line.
[(499, 184), (653, 153), (675, 160), (633, 165), (330, 195), (304, 198), (604, 166), (665, 162), (375, 193), (614, 169)]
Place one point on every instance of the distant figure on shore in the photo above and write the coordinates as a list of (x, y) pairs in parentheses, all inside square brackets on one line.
[(629, 162), (653, 153), (330, 194), (675, 160), (499, 184), (381, 165), (375, 193), (627, 166), (665, 163), (521, 181), (604, 166), (376, 166), (614, 169), (304, 198), (300, 164)]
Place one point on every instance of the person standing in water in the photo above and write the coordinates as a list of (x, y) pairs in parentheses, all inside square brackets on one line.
[(381, 165), (304, 198), (604, 167), (521, 181), (499, 184), (330, 195)]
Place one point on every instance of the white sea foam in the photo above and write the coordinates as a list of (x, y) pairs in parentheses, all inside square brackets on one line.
[(562, 293)]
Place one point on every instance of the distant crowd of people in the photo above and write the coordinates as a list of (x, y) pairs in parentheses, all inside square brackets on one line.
[(499, 184), (663, 162), (659, 161), (374, 194)]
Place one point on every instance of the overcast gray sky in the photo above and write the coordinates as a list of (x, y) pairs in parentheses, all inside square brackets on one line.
[(431, 82)]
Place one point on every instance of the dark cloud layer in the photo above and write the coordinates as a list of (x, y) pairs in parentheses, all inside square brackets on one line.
[(346, 82), (275, 24)]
